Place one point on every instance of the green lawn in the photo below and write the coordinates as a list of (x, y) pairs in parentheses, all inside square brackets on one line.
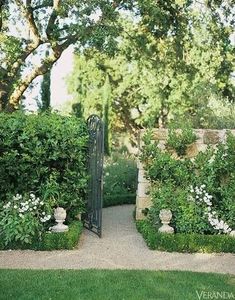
[(115, 285)]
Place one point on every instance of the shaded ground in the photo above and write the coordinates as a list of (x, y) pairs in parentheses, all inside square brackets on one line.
[(121, 247)]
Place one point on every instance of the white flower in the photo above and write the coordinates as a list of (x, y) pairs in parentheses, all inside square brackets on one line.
[(17, 197), (32, 196), (208, 202), (226, 227), (36, 201), (7, 205), (45, 218), (15, 206), (190, 198)]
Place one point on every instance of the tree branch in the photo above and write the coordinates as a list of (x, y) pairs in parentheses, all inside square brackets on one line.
[(18, 63), (23, 85), (27, 12), (49, 3), (39, 70), (52, 19), (1, 14)]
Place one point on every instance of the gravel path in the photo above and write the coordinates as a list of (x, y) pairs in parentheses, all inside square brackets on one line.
[(121, 247)]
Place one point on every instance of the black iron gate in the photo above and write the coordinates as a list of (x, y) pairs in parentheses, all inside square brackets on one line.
[(93, 217)]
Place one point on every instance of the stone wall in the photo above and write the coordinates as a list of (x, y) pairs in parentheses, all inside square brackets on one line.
[(205, 137)]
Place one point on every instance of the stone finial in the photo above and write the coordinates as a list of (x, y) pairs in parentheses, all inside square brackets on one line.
[(60, 216), (165, 217)]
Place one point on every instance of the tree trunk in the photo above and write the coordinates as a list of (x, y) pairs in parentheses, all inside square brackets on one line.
[(15, 97)]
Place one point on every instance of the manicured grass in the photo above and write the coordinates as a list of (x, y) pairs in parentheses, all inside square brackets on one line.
[(113, 285)]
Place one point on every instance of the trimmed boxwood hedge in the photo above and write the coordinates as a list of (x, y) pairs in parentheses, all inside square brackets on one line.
[(119, 199), (51, 240), (185, 242)]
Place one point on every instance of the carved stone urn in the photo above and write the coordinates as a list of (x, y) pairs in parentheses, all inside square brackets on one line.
[(165, 217), (60, 216)]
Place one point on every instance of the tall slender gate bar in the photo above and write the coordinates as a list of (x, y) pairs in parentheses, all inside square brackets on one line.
[(93, 217)]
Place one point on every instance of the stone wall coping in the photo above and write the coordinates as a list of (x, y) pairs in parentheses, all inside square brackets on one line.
[(204, 136)]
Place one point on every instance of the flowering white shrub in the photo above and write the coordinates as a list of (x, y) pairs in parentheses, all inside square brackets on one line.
[(31, 204), (23, 217), (199, 194)]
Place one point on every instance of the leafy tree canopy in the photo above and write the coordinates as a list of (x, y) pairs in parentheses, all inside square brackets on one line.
[(173, 61), (31, 28)]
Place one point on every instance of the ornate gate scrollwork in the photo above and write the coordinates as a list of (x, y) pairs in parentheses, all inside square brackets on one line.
[(93, 217)]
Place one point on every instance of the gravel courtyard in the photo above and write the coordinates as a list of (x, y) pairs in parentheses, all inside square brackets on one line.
[(121, 247)]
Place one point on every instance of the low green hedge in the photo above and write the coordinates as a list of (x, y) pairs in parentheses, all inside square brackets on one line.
[(119, 199), (51, 240), (120, 180), (185, 242)]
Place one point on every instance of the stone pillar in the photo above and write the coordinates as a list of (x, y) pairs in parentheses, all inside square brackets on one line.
[(143, 199)]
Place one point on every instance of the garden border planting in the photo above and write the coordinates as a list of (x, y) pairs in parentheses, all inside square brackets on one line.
[(188, 175), (189, 243), (205, 137), (51, 240)]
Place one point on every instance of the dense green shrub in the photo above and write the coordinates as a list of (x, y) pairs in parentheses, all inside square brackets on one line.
[(200, 192), (45, 155), (180, 242), (50, 240), (120, 180), (180, 139), (188, 216)]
